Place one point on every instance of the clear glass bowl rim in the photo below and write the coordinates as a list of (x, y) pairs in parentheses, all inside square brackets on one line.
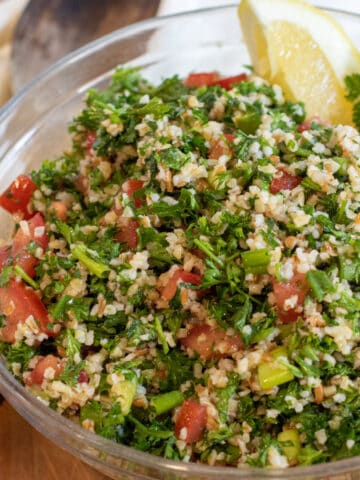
[(25, 402)]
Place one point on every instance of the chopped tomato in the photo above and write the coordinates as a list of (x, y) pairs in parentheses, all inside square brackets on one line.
[(34, 230), (283, 291), (210, 342), (130, 187), (90, 140), (179, 276), (38, 374), (16, 198), (192, 417), (228, 82), (284, 180), (59, 209), (203, 79), (83, 377), (229, 137), (207, 79), (17, 303), (307, 124), (128, 233)]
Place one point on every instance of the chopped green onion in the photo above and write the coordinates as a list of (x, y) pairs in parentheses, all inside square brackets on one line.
[(256, 261), (65, 231), (58, 310), (302, 152), (166, 401), (207, 248), (320, 284), (81, 253), (310, 184), (161, 335), (19, 271)]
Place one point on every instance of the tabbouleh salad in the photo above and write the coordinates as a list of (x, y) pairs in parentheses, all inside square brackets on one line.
[(186, 279)]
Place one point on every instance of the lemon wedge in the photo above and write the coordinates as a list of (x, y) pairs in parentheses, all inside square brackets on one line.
[(305, 51)]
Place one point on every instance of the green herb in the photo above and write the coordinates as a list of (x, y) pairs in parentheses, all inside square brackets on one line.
[(242, 314), (72, 345), (166, 401), (320, 284), (160, 332), (352, 84), (20, 353), (71, 373), (256, 261), (83, 254), (5, 276), (19, 271), (66, 303)]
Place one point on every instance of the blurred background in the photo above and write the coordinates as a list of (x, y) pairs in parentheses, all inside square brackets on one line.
[(36, 33)]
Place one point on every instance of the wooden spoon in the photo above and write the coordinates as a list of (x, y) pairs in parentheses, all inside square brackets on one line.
[(48, 29)]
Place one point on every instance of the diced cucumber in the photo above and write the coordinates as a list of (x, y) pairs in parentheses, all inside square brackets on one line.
[(273, 373), (290, 437), (125, 392)]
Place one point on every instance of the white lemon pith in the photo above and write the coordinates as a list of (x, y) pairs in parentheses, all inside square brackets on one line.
[(304, 50)]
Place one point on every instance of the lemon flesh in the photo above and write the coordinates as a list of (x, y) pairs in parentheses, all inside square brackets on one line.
[(303, 50)]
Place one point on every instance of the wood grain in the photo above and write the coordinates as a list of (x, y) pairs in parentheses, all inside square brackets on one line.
[(49, 29), (27, 455)]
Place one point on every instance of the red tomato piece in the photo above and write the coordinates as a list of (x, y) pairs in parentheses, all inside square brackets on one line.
[(179, 276), (34, 231), (90, 140), (130, 187), (83, 377), (203, 79), (210, 342), (17, 303), (37, 375), (17, 196), (229, 137), (284, 180), (228, 82), (192, 417), (128, 233), (284, 290), (307, 124)]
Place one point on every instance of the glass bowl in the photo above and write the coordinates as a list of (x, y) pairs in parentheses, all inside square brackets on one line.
[(33, 126)]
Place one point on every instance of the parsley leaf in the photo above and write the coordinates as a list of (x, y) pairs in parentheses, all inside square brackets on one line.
[(352, 84)]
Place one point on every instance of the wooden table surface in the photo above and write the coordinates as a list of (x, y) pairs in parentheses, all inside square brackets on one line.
[(25, 454)]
